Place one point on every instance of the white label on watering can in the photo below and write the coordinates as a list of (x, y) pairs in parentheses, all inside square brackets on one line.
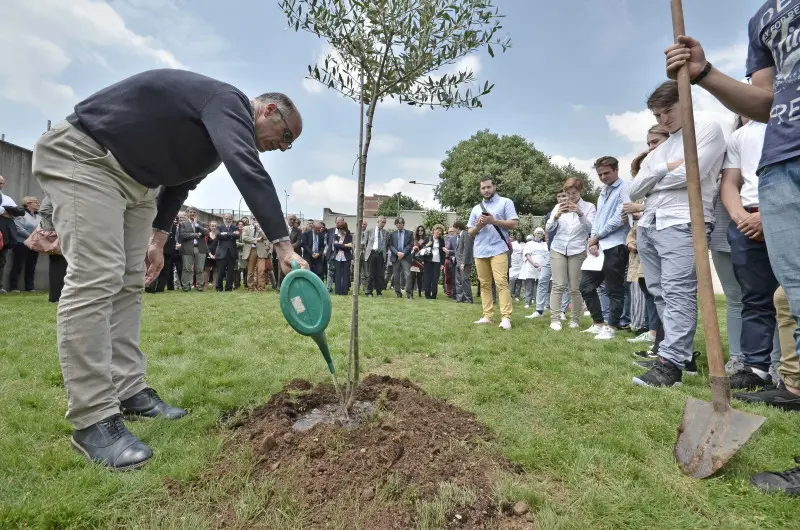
[(297, 303)]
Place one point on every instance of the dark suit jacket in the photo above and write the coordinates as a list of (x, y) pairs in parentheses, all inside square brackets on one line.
[(307, 244), (294, 238), (226, 242), (464, 254), (339, 244), (169, 246), (394, 244), (429, 243), (186, 234)]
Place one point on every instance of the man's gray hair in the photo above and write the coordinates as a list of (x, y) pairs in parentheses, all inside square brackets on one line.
[(283, 102)]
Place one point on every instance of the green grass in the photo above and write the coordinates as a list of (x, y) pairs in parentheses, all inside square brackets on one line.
[(596, 449)]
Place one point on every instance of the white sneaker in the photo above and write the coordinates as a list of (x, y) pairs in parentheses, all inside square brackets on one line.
[(574, 325), (483, 320), (505, 324), (595, 329), (608, 333), (527, 306), (535, 314), (563, 317), (587, 314), (644, 337), (555, 326)]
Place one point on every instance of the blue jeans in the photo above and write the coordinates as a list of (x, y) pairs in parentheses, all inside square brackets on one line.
[(778, 197), (733, 302), (753, 271), (625, 319), (543, 290)]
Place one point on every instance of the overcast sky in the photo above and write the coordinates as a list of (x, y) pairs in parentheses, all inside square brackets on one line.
[(574, 82)]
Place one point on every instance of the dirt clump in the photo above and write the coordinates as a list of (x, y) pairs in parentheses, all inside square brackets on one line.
[(413, 462)]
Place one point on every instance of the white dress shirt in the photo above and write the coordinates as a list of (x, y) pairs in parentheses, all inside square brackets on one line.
[(744, 153), (572, 230), (667, 197), (5, 200)]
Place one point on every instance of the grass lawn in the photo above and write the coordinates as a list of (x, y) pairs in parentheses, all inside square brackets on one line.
[(596, 449)]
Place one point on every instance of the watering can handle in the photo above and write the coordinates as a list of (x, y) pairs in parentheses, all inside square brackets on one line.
[(295, 265)]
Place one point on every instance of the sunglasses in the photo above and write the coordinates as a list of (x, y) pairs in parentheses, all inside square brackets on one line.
[(288, 135)]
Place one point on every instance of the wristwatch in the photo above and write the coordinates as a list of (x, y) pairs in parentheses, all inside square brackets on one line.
[(703, 74)]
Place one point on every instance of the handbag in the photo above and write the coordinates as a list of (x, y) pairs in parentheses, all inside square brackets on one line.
[(44, 241)]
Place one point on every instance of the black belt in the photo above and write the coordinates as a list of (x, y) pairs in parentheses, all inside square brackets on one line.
[(751, 209)]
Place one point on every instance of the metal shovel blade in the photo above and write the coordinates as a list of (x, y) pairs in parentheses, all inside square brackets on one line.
[(708, 438)]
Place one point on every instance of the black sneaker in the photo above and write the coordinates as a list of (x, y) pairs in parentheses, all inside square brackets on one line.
[(690, 367), (777, 397), (787, 482), (662, 374), (645, 354), (148, 404), (747, 379), (109, 443)]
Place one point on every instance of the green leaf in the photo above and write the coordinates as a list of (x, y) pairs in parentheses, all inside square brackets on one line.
[(491, 51)]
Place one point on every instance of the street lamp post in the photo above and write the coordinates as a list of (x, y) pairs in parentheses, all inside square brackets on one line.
[(240, 206), (286, 204)]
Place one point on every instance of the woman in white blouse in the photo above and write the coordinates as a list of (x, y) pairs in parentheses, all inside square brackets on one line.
[(572, 221), (534, 256)]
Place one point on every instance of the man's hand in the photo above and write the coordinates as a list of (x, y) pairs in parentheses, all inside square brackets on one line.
[(594, 250), (632, 207), (401, 255), (632, 247), (686, 51), (286, 255), (315, 255), (154, 258), (236, 232), (594, 241), (751, 226), (487, 219)]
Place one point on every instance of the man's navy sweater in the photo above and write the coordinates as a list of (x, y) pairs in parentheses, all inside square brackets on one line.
[(172, 128)]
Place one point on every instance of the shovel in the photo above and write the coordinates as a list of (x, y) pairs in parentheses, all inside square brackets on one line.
[(306, 305), (710, 433)]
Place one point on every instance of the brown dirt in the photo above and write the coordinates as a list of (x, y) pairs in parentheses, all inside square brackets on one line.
[(387, 472)]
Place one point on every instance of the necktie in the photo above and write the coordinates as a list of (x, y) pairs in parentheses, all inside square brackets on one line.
[(380, 240), (315, 247), (401, 240)]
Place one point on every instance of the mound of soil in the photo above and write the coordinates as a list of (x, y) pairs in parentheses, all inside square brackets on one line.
[(413, 460)]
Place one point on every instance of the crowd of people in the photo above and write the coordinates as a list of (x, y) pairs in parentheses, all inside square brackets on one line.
[(629, 259)]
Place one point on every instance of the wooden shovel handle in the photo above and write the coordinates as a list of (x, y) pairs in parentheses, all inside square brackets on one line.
[(705, 287)]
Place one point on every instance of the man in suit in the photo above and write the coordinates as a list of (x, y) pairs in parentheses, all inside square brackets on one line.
[(191, 235), (249, 250), (464, 263), (400, 244), (313, 245), (227, 254), (375, 242), (329, 237)]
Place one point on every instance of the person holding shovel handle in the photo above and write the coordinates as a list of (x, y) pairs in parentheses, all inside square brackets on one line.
[(771, 98)]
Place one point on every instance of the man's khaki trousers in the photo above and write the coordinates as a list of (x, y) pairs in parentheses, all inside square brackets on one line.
[(103, 219)]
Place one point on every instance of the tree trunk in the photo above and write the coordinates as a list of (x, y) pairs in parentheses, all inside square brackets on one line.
[(353, 365)]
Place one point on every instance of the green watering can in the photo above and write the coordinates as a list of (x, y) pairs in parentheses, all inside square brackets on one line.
[(306, 305)]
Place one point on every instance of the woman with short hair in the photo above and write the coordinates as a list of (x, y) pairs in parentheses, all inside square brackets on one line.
[(572, 221), (24, 258), (433, 253), (343, 257)]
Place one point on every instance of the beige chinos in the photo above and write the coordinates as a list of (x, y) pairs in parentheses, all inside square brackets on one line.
[(103, 219)]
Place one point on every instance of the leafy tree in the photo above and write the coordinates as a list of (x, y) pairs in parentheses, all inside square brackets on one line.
[(433, 218), (522, 173), (395, 49), (389, 206)]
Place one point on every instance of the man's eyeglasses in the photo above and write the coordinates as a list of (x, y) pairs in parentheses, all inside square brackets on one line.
[(288, 135)]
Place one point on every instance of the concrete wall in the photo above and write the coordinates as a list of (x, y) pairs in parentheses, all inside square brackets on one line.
[(15, 167)]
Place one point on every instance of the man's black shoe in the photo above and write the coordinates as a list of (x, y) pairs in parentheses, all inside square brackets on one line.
[(109, 443), (787, 482), (147, 403), (662, 374), (747, 379), (690, 367), (645, 354), (777, 397)]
